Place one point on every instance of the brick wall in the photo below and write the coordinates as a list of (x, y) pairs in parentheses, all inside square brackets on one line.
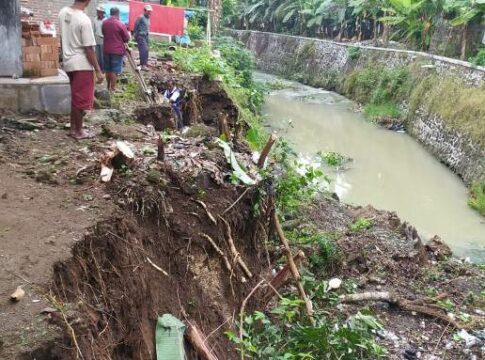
[(46, 10)]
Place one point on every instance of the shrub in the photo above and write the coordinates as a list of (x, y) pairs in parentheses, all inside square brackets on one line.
[(476, 199), (479, 58)]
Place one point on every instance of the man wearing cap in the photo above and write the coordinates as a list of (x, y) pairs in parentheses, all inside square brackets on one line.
[(98, 34), (141, 31)]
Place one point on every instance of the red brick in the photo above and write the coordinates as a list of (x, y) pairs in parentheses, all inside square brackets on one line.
[(49, 64), (31, 57), (47, 41), (49, 56), (31, 50)]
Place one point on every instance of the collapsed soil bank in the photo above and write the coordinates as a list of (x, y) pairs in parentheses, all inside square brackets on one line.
[(328, 64)]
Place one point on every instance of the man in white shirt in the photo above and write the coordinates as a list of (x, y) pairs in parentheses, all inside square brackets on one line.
[(173, 95), (98, 34), (80, 63)]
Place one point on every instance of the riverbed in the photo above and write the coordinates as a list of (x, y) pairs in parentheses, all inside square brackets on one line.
[(389, 170)]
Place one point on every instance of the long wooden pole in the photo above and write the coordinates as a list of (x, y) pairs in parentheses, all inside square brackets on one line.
[(293, 268)]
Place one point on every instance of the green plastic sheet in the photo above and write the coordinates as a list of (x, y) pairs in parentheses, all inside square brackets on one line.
[(170, 338)]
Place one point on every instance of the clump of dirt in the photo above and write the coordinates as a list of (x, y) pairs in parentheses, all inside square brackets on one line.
[(160, 116), (204, 100)]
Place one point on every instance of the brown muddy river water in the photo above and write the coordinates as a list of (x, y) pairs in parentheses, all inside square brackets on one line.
[(389, 170)]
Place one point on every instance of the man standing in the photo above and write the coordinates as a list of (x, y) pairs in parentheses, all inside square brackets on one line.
[(173, 95), (115, 37), (142, 30), (80, 64), (98, 34)]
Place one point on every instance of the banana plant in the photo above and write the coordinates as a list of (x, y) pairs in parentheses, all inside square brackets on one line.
[(467, 11), (414, 19)]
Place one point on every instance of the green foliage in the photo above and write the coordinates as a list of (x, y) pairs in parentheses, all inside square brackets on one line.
[(195, 31), (361, 224), (285, 334), (476, 199), (382, 111), (479, 58), (379, 85), (333, 158), (233, 67), (353, 53), (297, 186)]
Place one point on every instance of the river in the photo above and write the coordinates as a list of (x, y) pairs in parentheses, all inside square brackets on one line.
[(389, 170)]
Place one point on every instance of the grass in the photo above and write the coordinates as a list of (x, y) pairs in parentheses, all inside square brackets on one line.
[(460, 106), (382, 111), (476, 198), (361, 224)]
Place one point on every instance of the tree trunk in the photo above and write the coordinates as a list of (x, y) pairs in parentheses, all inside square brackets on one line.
[(464, 42), (215, 11)]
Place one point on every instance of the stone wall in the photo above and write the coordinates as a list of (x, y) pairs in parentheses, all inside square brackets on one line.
[(278, 54)]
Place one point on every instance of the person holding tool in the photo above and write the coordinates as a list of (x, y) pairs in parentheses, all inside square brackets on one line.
[(116, 36), (98, 34), (80, 63), (173, 95), (142, 31)]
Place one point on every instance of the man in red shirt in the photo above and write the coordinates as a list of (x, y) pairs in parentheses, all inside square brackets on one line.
[(116, 36)]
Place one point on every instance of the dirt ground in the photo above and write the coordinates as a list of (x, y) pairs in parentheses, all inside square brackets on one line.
[(101, 261)]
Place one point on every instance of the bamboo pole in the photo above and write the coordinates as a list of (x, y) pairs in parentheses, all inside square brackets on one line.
[(293, 268)]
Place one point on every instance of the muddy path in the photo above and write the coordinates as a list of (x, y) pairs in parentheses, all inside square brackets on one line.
[(130, 250)]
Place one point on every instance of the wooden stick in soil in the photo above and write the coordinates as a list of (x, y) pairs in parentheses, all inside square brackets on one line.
[(282, 276), (293, 268), (224, 127), (196, 340), (267, 148), (236, 256), (161, 150)]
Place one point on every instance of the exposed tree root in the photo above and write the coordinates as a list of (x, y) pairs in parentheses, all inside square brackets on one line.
[(236, 256)]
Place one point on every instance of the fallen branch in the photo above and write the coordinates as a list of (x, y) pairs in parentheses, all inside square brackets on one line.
[(403, 304), (204, 206), (157, 267), (221, 254), (236, 256), (196, 340), (282, 276), (267, 148), (293, 268)]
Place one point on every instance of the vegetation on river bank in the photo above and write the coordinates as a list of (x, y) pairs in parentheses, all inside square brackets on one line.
[(411, 21)]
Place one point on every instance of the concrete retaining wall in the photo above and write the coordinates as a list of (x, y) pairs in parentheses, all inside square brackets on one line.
[(49, 94), (277, 54)]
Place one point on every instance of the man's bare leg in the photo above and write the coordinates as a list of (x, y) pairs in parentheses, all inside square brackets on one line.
[(77, 131), (114, 80), (108, 80)]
